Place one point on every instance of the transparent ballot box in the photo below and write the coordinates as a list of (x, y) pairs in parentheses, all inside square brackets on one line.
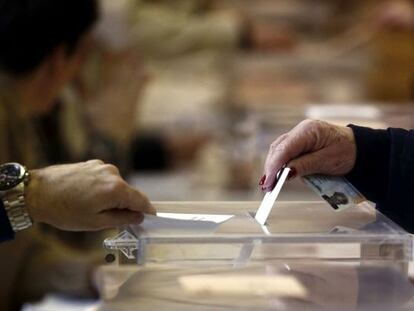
[(294, 231), (282, 286)]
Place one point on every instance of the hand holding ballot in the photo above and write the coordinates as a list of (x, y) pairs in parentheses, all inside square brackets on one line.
[(84, 196), (312, 147)]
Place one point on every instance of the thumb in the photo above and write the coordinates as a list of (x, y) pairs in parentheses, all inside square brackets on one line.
[(116, 218), (139, 202)]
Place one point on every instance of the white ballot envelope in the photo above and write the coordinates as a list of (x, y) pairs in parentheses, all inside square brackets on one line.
[(270, 197), (182, 223)]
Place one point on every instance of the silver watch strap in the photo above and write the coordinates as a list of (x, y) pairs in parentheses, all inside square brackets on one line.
[(15, 206)]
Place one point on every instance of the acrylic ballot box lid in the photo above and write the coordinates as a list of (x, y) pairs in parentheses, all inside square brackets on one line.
[(294, 230), (283, 286)]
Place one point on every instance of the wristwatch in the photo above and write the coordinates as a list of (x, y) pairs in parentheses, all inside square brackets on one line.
[(13, 179)]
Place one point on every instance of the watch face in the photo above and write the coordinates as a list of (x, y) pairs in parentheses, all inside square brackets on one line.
[(11, 174)]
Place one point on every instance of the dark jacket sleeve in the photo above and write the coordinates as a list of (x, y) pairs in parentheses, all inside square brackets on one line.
[(384, 171), (6, 231)]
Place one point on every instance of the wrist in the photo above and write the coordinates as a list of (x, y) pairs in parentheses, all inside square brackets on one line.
[(13, 180), (33, 196), (372, 150), (352, 148)]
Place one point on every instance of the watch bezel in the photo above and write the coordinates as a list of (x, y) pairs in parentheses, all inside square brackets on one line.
[(7, 185)]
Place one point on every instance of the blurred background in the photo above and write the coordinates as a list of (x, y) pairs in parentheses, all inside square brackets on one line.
[(185, 96), (222, 79)]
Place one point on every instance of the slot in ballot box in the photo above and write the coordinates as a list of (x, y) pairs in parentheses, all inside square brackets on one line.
[(226, 233)]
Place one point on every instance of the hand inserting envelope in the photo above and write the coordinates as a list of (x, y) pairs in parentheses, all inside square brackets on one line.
[(270, 197), (335, 190)]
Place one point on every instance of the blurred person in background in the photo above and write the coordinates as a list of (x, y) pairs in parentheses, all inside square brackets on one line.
[(44, 44), (85, 120), (385, 30), (188, 26), (42, 49)]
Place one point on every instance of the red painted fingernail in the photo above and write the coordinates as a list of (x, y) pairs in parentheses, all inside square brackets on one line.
[(262, 180), (292, 173)]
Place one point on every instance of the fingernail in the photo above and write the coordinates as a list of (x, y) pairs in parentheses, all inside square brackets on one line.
[(262, 180), (292, 173)]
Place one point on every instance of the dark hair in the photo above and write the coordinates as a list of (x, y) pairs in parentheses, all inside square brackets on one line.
[(31, 29)]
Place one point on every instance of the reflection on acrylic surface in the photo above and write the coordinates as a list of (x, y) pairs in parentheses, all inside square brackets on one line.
[(317, 286)]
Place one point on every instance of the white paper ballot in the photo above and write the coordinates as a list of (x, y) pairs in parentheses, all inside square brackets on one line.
[(196, 217), (180, 223), (270, 198)]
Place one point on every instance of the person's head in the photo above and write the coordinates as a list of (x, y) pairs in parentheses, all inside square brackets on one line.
[(42, 42)]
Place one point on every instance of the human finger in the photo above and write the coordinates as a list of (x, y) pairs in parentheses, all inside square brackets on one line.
[(310, 163), (332, 160), (139, 202), (280, 154), (116, 218), (94, 162), (269, 173)]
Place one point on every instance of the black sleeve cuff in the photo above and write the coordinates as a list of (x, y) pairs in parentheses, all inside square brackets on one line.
[(6, 230), (370, 173)]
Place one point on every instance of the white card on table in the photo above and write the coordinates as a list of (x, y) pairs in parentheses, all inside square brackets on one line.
[(270, 197)]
